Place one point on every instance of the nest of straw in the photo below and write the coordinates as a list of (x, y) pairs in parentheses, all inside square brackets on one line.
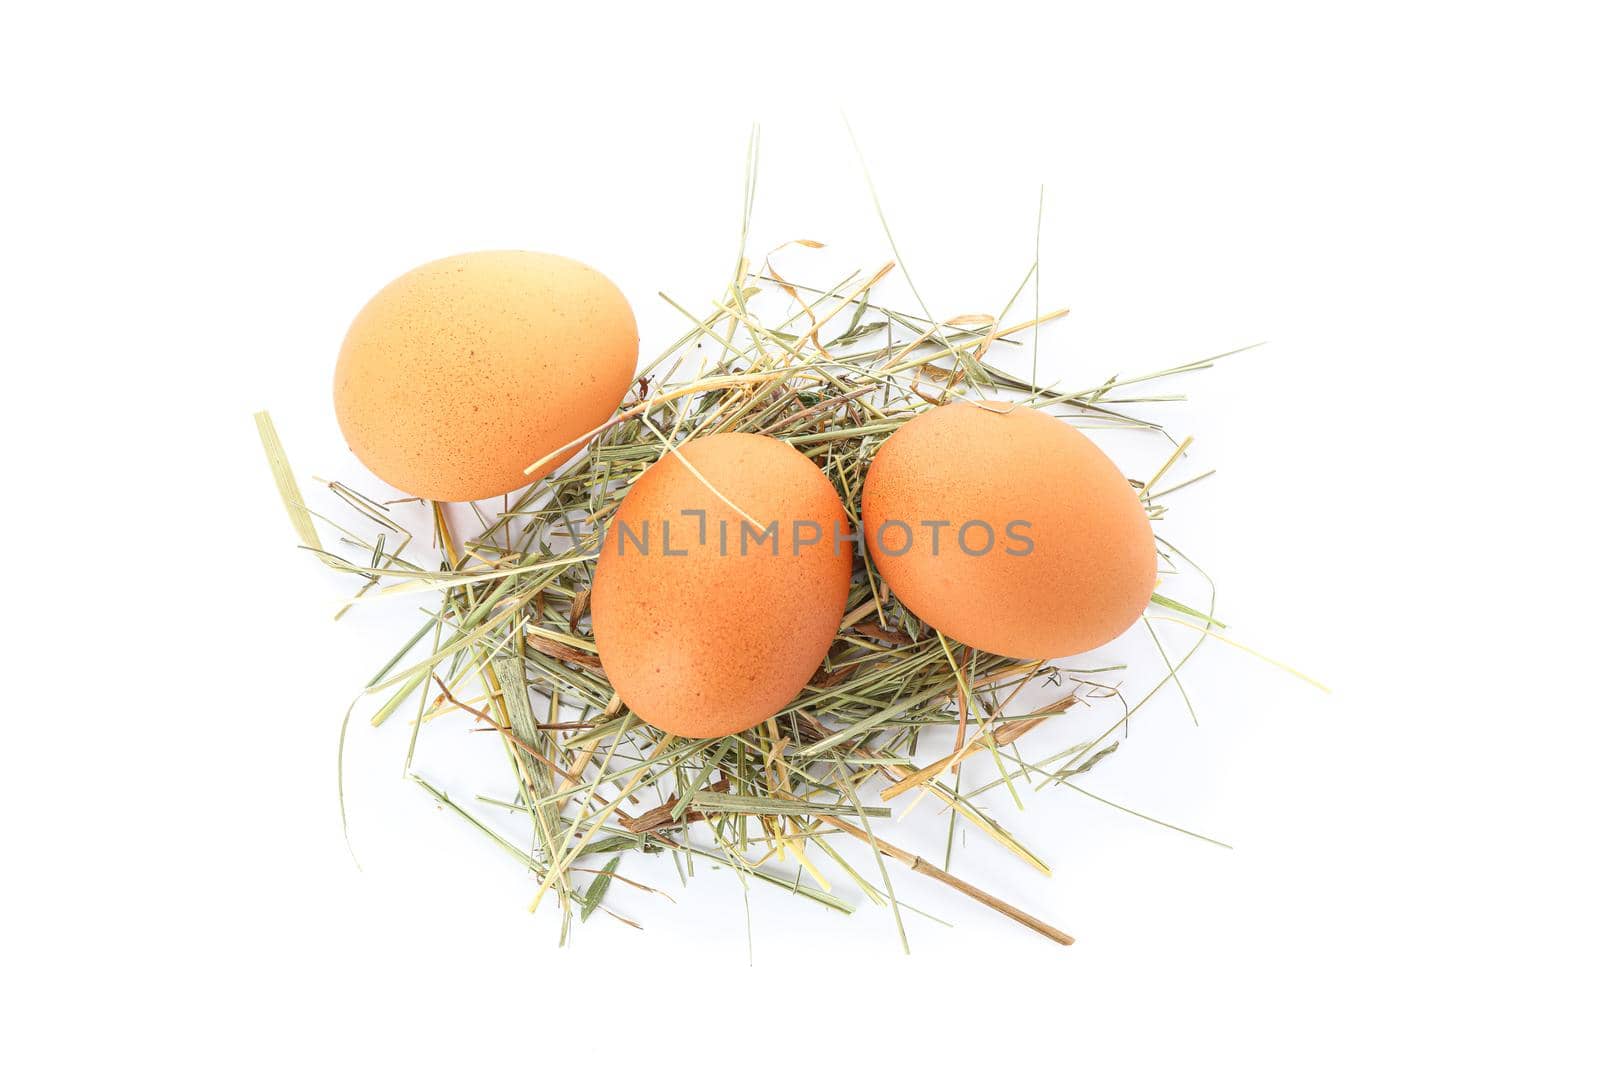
[(895, 711)]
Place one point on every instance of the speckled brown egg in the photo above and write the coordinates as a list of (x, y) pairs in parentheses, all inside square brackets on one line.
[(1008, 530), (462, 372), (704, 625)]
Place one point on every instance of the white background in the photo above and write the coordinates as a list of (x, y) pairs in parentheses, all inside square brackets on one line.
[(1399, 198)]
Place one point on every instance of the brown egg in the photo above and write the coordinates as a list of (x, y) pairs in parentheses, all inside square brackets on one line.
[(1068, 562), (708, 629), (459, 374)]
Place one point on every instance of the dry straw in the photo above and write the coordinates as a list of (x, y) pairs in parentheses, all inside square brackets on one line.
[(507, 644)]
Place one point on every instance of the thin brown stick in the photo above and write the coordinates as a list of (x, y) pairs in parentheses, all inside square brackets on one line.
[(1001, 737), (922, 866), (1003, 734), (505, 731)]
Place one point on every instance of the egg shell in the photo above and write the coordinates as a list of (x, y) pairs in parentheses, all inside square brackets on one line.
[(462, 372), (714, 641), (1092, 565)]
